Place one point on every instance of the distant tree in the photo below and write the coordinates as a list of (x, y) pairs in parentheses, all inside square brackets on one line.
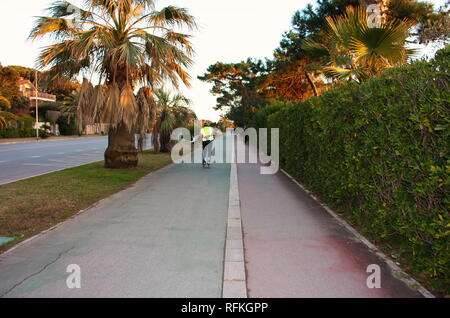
[(237, 86), (8, 82), (25, 72), (173, 111), (4, 103), (420, 12), (437, 30), (225, 123), (291, 81)]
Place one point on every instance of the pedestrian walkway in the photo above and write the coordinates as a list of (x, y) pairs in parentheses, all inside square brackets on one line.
[(295, 248)]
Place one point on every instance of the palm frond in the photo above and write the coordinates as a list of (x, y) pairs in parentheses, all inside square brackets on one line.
[(84, 104), (112, 99), (351, 49), (173, 16), (130, 44), (128, 109)]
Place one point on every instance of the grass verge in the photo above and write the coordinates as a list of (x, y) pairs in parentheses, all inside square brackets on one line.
[(33, 205)]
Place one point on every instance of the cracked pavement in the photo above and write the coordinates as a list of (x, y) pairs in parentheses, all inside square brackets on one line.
[(163, 237)]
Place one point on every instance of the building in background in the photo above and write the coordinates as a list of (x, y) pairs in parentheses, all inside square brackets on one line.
[(28, 90)]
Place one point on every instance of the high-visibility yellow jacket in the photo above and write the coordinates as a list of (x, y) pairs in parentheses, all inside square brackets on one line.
[(207, 133)]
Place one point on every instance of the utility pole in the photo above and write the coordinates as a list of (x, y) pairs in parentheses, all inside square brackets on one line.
[(37, 109)]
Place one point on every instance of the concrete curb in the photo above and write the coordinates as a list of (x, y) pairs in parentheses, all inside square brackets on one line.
[(234, 276), (397, 272)]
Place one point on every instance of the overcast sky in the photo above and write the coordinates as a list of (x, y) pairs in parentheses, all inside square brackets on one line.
[(230, 31)]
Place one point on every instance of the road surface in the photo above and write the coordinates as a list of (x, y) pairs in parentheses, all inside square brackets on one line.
[(28, 159)]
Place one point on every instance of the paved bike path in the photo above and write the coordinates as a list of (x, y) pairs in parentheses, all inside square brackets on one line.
[(164, 237)]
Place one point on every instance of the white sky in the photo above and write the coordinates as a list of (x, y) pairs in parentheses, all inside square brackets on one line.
[(230, 31)]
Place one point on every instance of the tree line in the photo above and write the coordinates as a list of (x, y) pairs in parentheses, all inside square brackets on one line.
[(330, 43)]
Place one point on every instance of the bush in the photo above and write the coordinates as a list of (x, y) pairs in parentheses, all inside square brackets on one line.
[(21, 128), (259, 120), (45, 131), (379, 154), (67, 127)]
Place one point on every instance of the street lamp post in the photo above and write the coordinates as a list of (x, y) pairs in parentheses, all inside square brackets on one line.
[(37, 109)]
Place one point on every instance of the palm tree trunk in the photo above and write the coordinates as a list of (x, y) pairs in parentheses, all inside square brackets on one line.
[(121, 151), (166, 143), (155, 137), (311, 82)]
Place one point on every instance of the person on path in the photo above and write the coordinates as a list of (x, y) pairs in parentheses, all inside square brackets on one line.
[(208, 135)]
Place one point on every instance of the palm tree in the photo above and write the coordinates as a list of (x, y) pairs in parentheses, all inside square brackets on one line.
[(127, 43), (172, 112), (350, 49), (70, 109)]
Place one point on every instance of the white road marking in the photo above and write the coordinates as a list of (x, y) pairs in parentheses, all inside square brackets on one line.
[(36, 157), (67, 162), (41, 164)]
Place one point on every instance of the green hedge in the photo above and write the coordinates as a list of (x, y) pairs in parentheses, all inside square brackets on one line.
[(67, 127), (21, 128), (259, 119), (379, 154)]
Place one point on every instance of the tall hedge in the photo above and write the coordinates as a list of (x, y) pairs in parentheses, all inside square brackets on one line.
[(67, 126), (379, 153), (22, 127)]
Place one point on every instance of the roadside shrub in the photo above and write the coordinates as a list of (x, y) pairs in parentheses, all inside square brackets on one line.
[(45, 131), (67, 127), (379, 153), (259, 120), (21, 127)]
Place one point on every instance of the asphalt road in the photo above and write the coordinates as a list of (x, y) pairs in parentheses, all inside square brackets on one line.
[(28, 159)]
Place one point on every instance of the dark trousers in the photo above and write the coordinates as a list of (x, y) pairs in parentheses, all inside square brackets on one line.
[(206, 150)]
